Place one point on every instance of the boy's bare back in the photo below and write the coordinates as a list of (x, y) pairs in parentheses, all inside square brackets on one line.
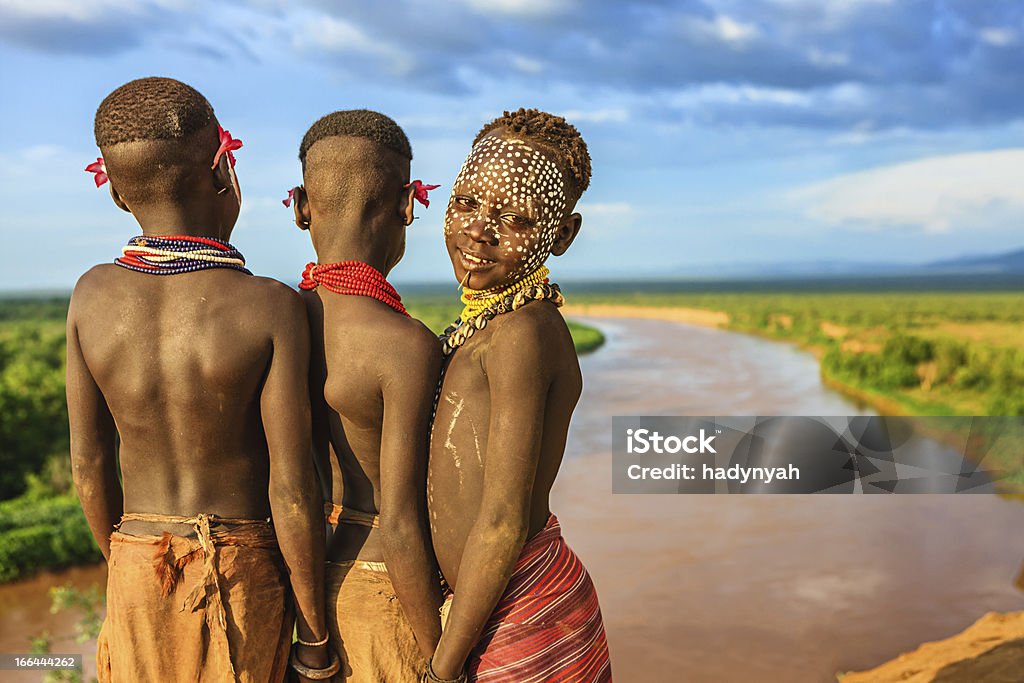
[(181, 363), (362, 352)]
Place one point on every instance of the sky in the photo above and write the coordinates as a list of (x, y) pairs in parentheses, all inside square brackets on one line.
[(722, 132)]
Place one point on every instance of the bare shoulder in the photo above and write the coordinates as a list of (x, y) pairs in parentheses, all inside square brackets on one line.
[(534, 336), (537, 327), (97, 277), (280, 305), (93, 288), (417, 349)]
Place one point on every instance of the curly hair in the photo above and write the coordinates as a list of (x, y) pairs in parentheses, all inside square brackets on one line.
[(553, 133), (358, 123), (151, 109)]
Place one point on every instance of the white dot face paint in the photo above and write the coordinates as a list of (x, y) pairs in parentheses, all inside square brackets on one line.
[(507, 205)]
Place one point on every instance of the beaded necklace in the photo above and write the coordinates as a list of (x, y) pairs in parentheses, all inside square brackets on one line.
[(481, 306), (476, 301), (352, 277), (175, 254)]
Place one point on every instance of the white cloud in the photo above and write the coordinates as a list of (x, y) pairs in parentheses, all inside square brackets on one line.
[(998, 36), (727, 93), (527, 65), (723, 28), (605, 220), (322, 31), (934, 194), (826, 58), (614, 115), (82, 11), (61, 9), (520, 7)]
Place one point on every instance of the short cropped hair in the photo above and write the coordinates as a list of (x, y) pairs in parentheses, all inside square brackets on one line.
[(151, 109), (553, 133), (358, 123)]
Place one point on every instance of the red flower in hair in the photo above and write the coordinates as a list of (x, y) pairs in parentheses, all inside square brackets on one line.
[(287, 201), (227, 145), (421, 190), (100, 169)]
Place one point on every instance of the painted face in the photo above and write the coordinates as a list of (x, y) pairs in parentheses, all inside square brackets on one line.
[(506, 208)]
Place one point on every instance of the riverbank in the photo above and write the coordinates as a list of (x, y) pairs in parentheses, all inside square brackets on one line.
[(891, 372), (928, 352), (990, 650)]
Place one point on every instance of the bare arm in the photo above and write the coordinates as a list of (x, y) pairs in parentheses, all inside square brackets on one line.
[(295, 500), (318, 405), (408, 399), (93, 451), (520, 374)]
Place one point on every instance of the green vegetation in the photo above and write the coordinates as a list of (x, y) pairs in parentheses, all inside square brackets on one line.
[(43, 533)]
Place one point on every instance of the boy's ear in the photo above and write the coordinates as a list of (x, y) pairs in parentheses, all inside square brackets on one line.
[(300, 205), (566, 234), (407, 205), (117, 199), (222, 175)]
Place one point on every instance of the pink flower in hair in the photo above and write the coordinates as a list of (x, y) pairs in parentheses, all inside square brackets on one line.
[(227, 145), (287, 201), (100, 169), (420, 192)]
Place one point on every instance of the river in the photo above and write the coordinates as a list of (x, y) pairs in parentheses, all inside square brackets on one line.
[(729, 588), (763, 588)]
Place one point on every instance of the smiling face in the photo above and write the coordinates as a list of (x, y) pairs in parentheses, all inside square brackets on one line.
[(507, 206)]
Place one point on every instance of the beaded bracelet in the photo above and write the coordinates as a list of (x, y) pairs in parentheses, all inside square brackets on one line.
[(432, 677), (316, 674), (322, 641)]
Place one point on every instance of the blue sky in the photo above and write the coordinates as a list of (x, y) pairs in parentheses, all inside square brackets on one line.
[(722, 131)]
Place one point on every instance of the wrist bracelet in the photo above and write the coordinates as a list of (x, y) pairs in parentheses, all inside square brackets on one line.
[(322, 641), (315, 674), (434, 678)]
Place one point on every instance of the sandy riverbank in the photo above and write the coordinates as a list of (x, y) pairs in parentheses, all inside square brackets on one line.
[(691, 316), (991, 650)]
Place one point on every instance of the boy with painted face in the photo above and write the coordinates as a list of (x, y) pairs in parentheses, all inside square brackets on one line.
[(523, 606), (374, 374), (187, 376)]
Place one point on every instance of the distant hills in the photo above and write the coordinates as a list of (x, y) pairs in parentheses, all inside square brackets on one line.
[(1010, 262)]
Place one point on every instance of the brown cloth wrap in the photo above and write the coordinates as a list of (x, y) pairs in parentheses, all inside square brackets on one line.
[(368, 628), (234, 623)]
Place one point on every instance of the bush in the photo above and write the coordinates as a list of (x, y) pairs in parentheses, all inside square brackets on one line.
[(48, 533), (33, 412)]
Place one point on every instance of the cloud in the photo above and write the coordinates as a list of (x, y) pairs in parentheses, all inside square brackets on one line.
[(604, 220), (95, 27), (520, 8), (610, 115), (935, 194), (867, 64)]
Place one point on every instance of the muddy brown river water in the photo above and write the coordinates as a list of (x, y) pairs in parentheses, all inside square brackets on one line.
[(735, 588)]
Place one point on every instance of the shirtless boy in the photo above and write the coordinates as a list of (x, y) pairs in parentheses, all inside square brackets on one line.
[(199, 369), (374, 374), (524, 608)]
